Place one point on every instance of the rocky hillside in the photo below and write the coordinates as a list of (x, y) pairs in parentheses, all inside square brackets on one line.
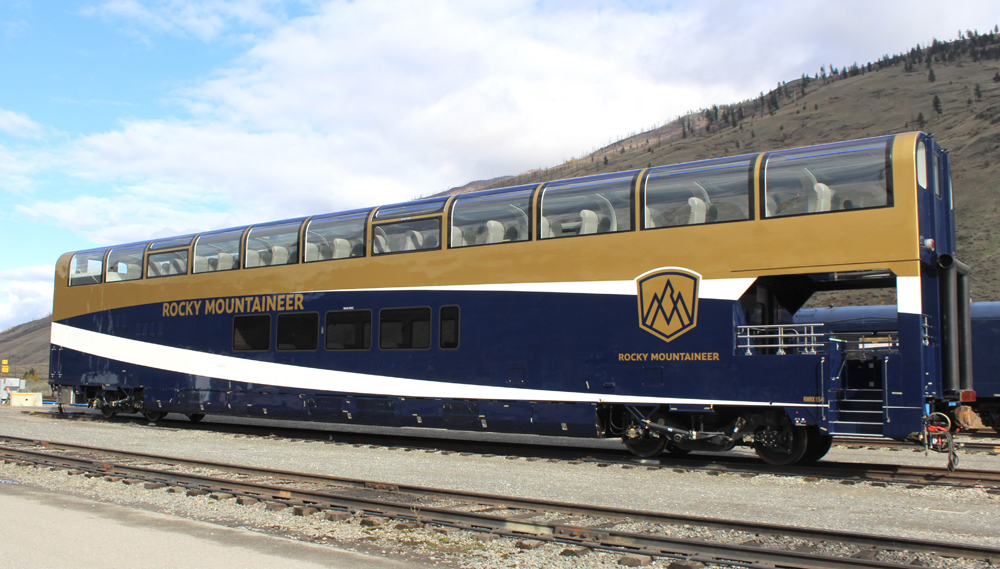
[(895, 94), (26, 347), (950, 89)]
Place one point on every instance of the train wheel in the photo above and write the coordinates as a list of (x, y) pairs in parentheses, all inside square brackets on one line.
[(108, 411), (153, 416), (647, 448), (648, 445), (796, 442), (817, 447), (195, 417)]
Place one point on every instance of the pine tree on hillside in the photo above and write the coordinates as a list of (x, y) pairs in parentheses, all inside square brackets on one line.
[(937, 105), (930, 75)]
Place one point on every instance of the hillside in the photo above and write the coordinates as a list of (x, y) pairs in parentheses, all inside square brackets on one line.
[(891, 95), (886, 97), (26, 347)]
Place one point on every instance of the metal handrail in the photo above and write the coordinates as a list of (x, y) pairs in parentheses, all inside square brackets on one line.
[(800, 338)]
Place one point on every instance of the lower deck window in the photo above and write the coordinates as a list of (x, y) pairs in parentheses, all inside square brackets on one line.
[(405, 329), (349, 330), (449, 328), (298, 331), (252, 333)]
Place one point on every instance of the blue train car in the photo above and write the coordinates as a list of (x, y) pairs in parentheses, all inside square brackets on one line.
[(650, 306), (873, 322)]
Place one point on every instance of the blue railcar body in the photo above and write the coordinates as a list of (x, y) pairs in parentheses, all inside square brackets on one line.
[(648, 305)]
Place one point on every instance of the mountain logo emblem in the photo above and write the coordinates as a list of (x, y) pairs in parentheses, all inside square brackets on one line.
[(668, 302)]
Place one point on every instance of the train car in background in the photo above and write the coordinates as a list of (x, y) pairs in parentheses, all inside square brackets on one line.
[(870, 329), (649, 305)]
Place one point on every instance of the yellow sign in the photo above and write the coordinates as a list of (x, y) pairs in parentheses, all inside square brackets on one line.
[(668, 302), (4, 362), (4, 369), (237, 305)]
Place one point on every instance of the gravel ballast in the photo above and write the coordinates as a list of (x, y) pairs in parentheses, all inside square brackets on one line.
[(968, 515)]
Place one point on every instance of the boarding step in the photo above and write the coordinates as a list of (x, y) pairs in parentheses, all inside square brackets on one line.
[(855, 428)]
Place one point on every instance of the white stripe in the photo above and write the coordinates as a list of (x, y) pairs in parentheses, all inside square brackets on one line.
[(908, 297), (723, 289), (282, 375)]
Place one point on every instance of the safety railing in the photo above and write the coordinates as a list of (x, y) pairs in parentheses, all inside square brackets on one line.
[(865, 346), (780, 339)]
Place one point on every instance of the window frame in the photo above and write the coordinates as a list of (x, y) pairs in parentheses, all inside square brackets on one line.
[(277, 331), (292, 259), (91, 253), (559, 184), (889, 145), (364, 214), (751, 202), (532, 195), (458, 327), (430, 330), (142, 257), (149, 256), (326, 329), (374, 227), (270, 332), (238, 261)]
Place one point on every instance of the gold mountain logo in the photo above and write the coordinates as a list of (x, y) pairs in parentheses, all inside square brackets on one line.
[(668, 302)]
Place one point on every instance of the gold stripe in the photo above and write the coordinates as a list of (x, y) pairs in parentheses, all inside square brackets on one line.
[(885, 238)]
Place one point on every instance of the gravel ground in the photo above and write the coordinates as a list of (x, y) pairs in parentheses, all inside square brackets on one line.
[(967, 515)]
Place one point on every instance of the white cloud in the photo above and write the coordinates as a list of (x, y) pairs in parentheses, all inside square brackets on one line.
[(371, 102), (204, 19), (18, 124), (25, 294)]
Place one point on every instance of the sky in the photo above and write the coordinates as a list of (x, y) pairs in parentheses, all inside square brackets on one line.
[(125, 120)]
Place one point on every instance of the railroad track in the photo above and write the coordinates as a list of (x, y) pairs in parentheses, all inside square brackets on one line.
[(847, 472), (964, 442), (590, 527)]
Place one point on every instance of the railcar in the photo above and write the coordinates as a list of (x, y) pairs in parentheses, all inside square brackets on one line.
[(654, 306), (871, 329)]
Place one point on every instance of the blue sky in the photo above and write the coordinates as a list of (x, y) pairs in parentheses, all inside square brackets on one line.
[(122, 120)]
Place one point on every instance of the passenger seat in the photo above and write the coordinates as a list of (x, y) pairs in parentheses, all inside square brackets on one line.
[(494, 232), (341, 249), (588, 222), (698, 210)]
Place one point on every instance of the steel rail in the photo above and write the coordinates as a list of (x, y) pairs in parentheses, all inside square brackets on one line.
[(827, 470), (591, 537), (961, 442)]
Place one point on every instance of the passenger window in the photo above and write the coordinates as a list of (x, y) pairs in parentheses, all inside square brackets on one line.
[(125, 263), (404, 329), (252, 333), (922, 165), (583, 206), (271, 245), (217, 251), (298, 331), (704, 192), (86, 267), (349, 330), (406, 236), (936, 175), (338, 236), (166, 264), (449, 328), (494, 216), (830, 177), (412, 209), (171, 243)]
